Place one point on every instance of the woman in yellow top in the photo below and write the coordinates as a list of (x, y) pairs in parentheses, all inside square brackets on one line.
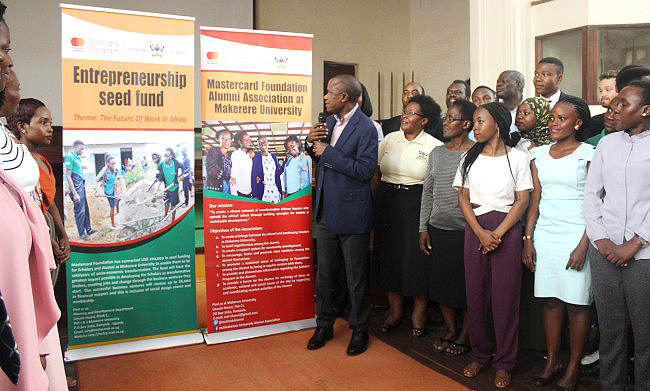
[(402, 161)]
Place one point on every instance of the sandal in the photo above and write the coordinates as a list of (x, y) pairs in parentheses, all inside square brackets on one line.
[(441, 345), (417, 332), (473, 369), (72, 382), (457, 349), (503, 378)]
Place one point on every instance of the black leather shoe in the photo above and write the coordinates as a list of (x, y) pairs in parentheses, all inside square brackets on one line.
[(358, 342), (321, 334), (544, 381), (92, 231), (557, 387)]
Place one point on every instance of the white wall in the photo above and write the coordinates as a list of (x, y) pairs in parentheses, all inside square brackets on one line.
[(440, 45), (374, 34), (36, 38), (501, 39), (502, 32)]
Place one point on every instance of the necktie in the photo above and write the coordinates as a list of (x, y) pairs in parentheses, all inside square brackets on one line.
[(9, 357)]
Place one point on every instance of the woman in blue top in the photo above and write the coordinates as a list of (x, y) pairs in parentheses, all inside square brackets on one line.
[(555, 243), (108, 176)]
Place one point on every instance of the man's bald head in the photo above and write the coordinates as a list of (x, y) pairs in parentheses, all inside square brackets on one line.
[(343, 92), (348, 85), (510, 84), (410, 90)]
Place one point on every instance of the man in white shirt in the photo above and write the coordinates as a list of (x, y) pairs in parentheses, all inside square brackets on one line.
[(510, 90), (549, 73), (242, 166)]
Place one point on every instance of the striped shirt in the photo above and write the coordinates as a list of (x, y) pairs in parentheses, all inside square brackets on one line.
[(17, 161), (439, 206)]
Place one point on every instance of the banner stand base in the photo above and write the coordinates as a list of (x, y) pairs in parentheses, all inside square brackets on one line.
[(260, 331), (133, 346)]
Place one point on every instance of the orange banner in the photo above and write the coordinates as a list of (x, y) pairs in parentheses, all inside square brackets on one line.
[(231, 96), (117, 95)]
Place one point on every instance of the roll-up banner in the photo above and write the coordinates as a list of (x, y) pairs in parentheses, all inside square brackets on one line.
[(256, 110), (128, 117)]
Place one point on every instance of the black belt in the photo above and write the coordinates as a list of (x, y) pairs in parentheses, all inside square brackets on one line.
[(400, 187)]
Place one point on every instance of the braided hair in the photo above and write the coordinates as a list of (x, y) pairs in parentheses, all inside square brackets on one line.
[(582, 110), (502, 117)]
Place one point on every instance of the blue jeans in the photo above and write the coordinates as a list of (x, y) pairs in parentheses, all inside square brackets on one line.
[(81, 213)]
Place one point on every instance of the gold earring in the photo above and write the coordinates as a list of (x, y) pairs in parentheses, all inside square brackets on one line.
[(576, 127)]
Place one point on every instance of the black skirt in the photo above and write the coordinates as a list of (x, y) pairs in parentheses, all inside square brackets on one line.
[(446, 268), (402, 266)]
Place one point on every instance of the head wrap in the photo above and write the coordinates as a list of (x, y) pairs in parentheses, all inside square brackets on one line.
[(539, 134)]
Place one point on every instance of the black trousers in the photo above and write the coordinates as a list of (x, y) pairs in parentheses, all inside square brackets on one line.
[(622, 296), (337, 254)]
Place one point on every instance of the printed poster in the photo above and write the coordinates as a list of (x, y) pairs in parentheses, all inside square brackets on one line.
[(128, 117), (256, 110)]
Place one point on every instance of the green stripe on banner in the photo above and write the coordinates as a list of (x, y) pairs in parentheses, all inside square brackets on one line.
[(225, 196)]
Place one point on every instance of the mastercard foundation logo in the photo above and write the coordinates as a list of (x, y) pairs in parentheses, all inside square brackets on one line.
[(212, 55), (77, 41)]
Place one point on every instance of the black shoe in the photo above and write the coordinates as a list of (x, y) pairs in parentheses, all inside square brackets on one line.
[(358, 342), (544, 381), (92, 231), (557, 387), (321, 334)]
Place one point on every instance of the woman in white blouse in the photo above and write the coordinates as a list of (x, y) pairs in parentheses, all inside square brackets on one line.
[(493, 183)]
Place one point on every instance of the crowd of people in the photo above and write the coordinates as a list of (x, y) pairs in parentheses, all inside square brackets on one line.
[(459, 202), (455, 204), (234, 167)]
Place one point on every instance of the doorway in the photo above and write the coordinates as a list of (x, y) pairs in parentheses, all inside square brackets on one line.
[(331, 69)]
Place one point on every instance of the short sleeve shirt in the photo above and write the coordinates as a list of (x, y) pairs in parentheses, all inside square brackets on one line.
[(493, 180), (73, 164), (170, 174), (404, 162)]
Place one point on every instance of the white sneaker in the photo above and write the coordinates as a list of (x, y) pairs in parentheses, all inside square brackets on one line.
[(590, 358)]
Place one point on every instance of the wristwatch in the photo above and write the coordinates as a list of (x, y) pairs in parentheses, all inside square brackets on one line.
[(644, 243)]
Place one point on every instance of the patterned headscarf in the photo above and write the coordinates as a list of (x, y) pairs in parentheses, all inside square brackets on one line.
[(539, 134)]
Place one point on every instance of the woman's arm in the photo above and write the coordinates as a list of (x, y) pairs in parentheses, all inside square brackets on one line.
[(529, 255), (516, 211), (579, 254), (488, 243), (64, 241), (426, 204)]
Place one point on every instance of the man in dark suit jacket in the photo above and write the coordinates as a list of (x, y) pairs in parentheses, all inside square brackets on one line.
[(346, 151), (549, 73), (410, 90)]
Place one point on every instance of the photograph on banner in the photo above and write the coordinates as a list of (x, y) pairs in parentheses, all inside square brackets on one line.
[(261, 160), (127, 184)]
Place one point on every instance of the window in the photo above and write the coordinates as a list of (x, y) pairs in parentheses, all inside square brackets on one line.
[(622, 46), (588, 51), (567, 46)]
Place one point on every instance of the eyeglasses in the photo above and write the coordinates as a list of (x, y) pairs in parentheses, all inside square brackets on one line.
[(448, 119), (410, 113)]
